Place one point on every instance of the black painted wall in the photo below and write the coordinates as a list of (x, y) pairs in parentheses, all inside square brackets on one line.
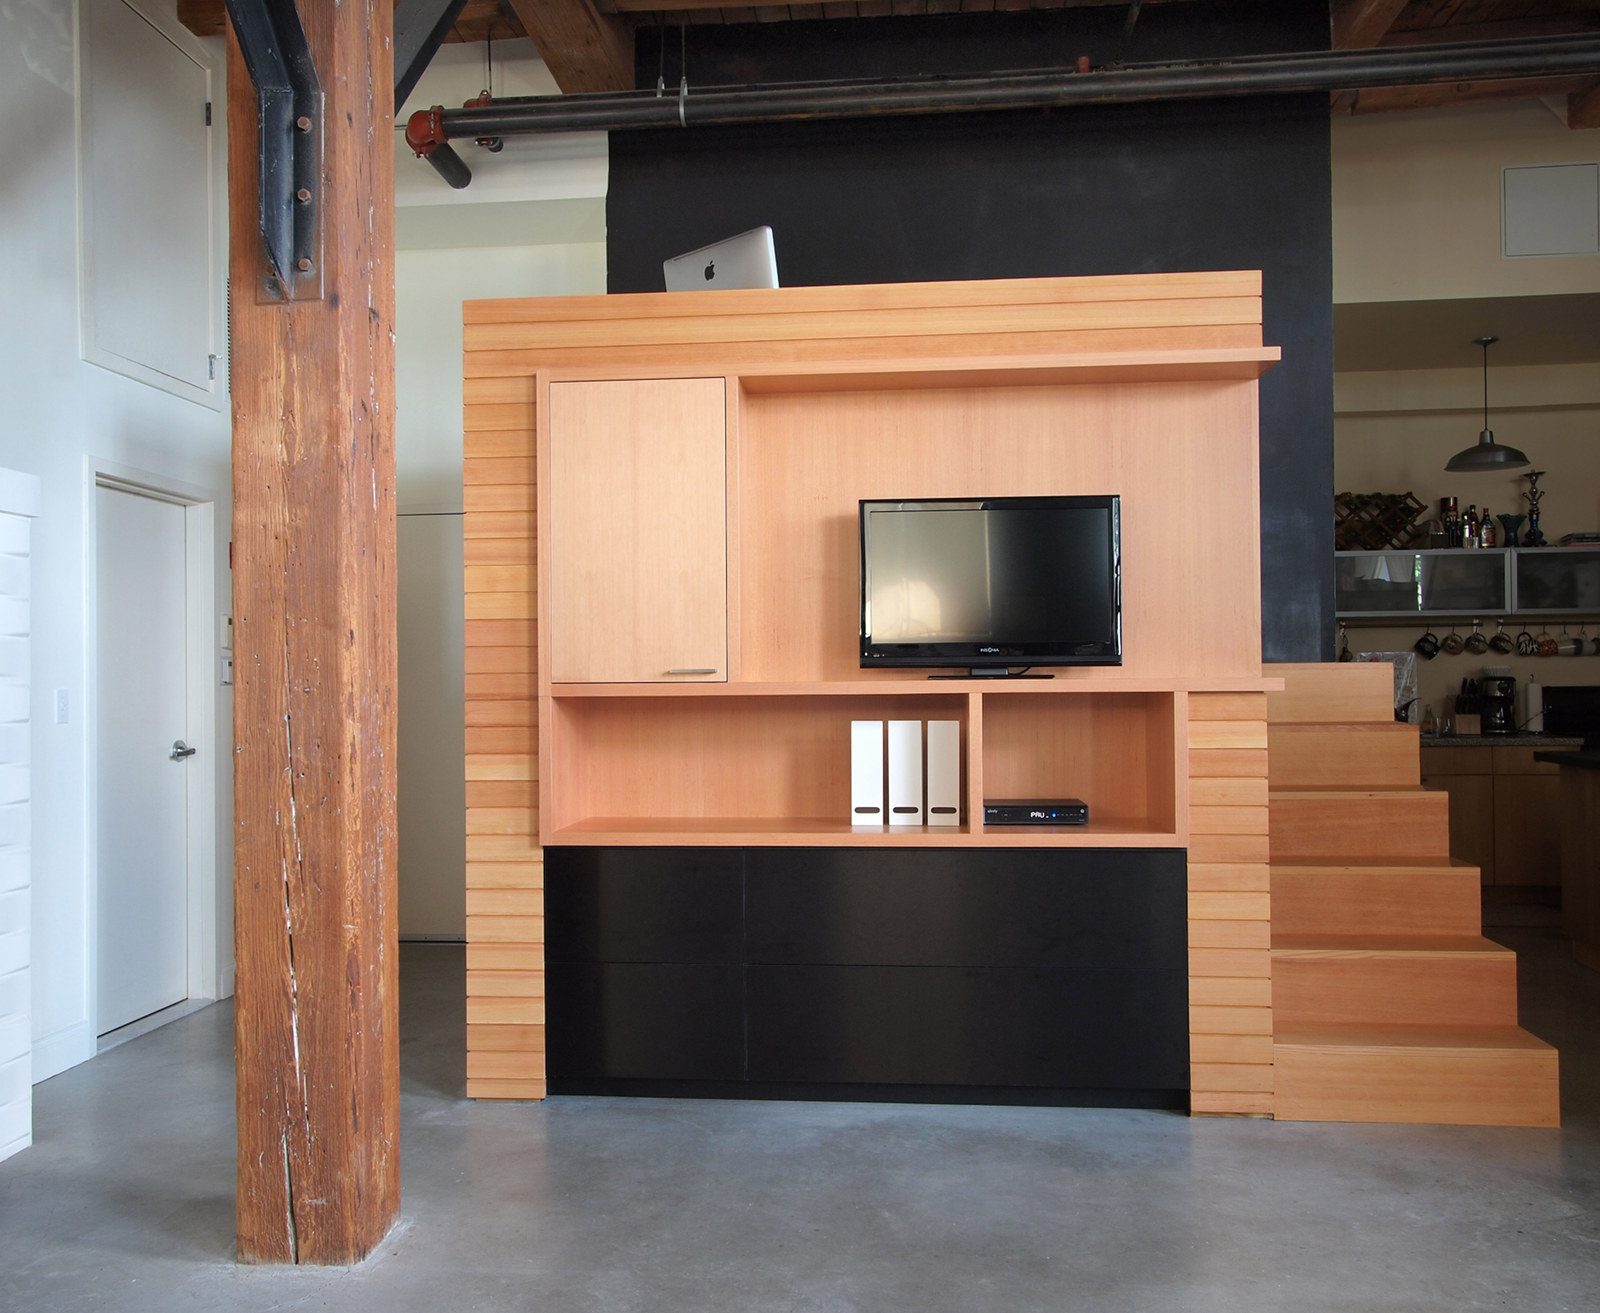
[(1167, 187)]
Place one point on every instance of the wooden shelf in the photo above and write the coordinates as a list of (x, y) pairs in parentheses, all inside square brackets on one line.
[(742, 831), (1197, 365), (899, 685)]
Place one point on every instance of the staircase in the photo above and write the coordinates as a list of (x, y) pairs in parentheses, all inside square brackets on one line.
[(1389, 1005)]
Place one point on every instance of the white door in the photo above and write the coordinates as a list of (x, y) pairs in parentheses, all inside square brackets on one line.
[(143, 915)]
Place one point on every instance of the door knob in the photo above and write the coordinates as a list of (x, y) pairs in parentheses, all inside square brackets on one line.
[(180, 750)]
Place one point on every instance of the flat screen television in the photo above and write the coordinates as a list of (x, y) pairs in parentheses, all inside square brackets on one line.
[(992, 583)]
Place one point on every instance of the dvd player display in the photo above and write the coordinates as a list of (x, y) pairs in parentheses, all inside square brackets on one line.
[(1036, 811)]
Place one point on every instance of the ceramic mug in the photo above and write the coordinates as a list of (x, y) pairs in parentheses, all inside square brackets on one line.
[(1527, 644), (1427, 647), (1452, 644), (1502, 642), (1477, 643), (1548, 646)]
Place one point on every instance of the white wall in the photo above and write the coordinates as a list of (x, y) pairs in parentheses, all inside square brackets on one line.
[(1416, 203), (61, 416), (532, 223)]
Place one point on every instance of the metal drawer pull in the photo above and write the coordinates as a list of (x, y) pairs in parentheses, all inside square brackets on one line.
[(180, 750), (708, 670)]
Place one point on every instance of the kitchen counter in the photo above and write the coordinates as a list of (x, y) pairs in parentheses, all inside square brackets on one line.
[(1582, 760), (1504, 808), (1500, 741), (1580, 857)]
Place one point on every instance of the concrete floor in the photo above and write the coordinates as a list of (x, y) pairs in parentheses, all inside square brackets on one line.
[(125, 1202)]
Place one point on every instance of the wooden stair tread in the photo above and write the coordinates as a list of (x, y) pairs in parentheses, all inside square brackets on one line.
[(1358, 946), (1355, 726), (1349, 791), (1421, 865), (1466, 1039)]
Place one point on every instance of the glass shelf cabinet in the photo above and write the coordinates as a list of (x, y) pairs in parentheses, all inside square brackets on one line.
[(1396, 585), (1516, 581)]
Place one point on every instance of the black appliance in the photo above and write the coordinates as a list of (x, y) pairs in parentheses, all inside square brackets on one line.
[(1573, 711), (1497, 698)]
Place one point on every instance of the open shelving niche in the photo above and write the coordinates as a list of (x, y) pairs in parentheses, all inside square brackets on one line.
[(761, 754)]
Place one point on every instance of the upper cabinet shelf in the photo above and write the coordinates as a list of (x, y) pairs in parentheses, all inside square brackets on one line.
[(1467, 583)]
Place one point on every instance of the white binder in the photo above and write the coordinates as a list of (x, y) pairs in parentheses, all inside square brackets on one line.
[(866, 772), (944, 772), (905, 772)]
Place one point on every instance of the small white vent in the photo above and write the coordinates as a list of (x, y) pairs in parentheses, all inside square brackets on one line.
[(1551, 209)]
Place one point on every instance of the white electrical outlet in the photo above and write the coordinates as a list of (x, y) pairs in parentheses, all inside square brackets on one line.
[(225, 636), (227, 670)]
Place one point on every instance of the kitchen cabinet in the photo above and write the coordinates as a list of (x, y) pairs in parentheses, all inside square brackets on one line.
[(1393, 585), (1519, 581), (1504, 809)]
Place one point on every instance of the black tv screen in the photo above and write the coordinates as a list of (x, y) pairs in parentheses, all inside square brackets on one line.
[(991, 583)]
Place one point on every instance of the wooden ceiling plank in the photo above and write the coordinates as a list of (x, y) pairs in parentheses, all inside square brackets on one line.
[(1359, 24), (584, 49), (1569, 24), (1583, 105), (674, 7)]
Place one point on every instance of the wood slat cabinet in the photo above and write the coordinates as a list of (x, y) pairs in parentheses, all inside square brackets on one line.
[(1504, 810), (639, 541)]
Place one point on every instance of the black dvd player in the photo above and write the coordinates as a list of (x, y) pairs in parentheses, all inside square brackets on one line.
[(1036, 811)]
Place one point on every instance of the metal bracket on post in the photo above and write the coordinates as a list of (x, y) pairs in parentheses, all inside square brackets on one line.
[(290, 102)]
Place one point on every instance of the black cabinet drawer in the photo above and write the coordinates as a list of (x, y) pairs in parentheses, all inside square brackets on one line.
[(644, 1020), (964, 907), (963, 1026), (643, 904)]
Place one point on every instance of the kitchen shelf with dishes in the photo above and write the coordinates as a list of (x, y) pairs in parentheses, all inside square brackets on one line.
[(1391, 586)]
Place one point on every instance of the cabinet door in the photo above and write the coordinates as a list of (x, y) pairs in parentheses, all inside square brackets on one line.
[(638, 531), (1527, 829), (1471, 818)]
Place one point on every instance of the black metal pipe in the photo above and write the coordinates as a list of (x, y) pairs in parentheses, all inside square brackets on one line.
[(449, 166), (1251, 75)]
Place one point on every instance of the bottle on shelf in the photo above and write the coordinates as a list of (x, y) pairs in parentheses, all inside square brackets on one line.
[(1486, 532), (1450, 516), (1469, 527)]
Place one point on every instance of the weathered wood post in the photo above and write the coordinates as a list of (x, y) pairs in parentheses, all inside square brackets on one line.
[(315, 691)]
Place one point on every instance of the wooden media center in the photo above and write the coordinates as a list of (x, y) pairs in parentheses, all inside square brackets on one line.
[(662, 653)]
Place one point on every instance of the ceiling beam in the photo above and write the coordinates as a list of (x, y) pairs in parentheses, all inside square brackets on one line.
[(1358, 24), (584, 49), (420, 27), (203, 17)]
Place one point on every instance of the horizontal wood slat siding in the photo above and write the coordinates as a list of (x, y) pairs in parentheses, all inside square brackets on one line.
[(1230, 907), (507, 340), (505, 865)]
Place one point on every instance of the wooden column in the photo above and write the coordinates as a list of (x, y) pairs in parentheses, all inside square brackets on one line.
[(314, 697)]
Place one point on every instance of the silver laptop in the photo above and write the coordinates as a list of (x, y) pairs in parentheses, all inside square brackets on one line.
[(748, 260)]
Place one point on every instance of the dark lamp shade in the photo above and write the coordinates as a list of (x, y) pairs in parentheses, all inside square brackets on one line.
[(1486, 455)]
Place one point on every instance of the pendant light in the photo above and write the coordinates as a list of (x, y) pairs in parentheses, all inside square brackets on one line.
[(1487, 454)]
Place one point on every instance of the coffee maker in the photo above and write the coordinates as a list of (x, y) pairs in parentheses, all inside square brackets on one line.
[(1498, 696)]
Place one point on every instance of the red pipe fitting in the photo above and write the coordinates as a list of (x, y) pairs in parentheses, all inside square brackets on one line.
[(425, 131)]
